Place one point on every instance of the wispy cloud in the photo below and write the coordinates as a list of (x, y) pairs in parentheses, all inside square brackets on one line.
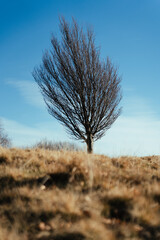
[(131, 136), (23, 135), (136, 132), (128, 136), (137, 106), (29, 90)]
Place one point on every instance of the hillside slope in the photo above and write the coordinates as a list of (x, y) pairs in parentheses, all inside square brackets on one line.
[(67, 195)]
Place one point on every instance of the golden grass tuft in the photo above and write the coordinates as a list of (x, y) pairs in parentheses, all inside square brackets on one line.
[(64, 195)]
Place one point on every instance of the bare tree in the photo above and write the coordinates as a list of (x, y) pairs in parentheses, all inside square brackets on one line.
[(79, 90), (4, 139)]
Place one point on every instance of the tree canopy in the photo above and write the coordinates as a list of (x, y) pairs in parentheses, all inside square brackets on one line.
[(80, 90)]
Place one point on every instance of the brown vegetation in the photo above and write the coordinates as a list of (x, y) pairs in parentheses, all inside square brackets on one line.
[(57, 146), (72, 195)]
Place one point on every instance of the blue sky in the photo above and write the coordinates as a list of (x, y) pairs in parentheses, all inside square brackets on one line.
[(127, 31)]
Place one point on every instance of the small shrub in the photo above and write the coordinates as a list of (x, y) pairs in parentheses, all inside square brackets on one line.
[(4, 139), (50, 145)]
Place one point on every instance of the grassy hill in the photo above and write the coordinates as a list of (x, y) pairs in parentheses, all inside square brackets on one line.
[(58, 195)]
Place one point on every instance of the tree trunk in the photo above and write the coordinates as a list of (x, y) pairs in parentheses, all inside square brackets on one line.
[(89, 143)]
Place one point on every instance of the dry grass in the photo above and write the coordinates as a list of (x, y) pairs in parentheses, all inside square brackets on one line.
[(68, 195)]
